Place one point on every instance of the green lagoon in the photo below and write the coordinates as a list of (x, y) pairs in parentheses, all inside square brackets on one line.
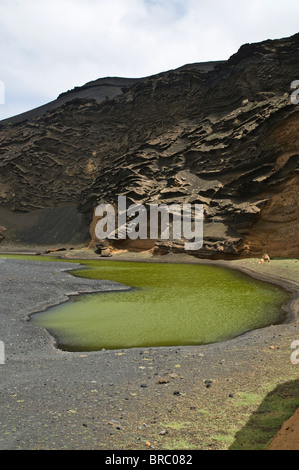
[(169, 305)]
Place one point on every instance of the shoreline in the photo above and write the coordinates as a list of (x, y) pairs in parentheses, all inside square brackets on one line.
[(291, 307), (241, 367)]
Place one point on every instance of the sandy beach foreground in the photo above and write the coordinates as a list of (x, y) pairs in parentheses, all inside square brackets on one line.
[(231, 395)]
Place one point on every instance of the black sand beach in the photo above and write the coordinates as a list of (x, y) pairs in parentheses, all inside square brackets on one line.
[(135, 398)]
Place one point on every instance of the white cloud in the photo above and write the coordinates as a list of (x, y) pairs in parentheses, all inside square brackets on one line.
[(49, 46)]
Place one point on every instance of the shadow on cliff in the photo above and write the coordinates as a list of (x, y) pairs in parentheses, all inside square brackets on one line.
[(278, 406)]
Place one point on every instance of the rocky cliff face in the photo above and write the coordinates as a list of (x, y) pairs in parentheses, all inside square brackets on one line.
[(223, 134)]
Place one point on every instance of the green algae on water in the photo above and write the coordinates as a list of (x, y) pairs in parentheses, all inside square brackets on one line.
[(169, 305)]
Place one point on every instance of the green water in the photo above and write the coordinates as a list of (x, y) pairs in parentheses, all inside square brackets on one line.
[(172, 304)]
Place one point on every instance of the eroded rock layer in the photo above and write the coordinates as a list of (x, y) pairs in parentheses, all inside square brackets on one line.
[(222, 134)]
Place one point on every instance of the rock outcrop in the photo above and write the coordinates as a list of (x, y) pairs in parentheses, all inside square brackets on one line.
[(2, 236), (288, 436), (221, 134)]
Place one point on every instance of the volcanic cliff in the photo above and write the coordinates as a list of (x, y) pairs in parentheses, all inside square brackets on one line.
[(222, 134)]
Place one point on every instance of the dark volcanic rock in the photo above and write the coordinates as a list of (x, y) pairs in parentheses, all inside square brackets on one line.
[(2, 236), (223, 134)]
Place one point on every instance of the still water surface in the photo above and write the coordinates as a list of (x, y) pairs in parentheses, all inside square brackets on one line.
[(171, 304)]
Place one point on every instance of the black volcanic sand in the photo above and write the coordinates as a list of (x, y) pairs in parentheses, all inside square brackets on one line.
[(139, 398)]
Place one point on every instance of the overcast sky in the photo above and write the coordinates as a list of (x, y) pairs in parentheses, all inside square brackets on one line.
[(50, 46)]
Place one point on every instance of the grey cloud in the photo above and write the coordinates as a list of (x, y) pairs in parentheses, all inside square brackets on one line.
[(49, 46)]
